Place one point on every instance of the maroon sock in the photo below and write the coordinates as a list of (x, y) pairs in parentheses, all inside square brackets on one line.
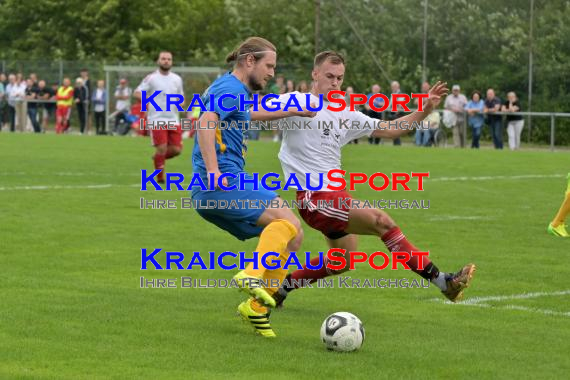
[(159, 161), (396, 241), (170, 154), (309, 275)]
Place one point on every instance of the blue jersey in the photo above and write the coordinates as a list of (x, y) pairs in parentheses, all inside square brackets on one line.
[(230, 142)]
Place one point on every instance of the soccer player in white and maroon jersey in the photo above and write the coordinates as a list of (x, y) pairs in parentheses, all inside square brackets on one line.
[(317, 150), (168, 141)]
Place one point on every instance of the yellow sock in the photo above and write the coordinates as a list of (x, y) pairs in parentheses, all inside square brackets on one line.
[(563, 211), (274, 238), (257, 307), (279, 274)]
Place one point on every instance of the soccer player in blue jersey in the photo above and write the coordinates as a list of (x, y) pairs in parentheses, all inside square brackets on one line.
[(218, 151)]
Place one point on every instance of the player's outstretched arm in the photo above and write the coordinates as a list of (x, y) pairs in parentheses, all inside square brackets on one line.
[(393, 130), (263, 115), (207, 140)]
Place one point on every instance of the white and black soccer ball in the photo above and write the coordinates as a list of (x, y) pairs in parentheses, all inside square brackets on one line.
[(342, 332)]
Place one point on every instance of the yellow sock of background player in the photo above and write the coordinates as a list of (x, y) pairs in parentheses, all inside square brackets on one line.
[(564, 208), (557, 226)]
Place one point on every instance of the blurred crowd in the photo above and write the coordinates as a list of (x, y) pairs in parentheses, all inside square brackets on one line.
[(456, 114), (29, 103)]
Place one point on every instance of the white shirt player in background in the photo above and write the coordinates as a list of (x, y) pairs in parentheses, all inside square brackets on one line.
[(167, 142), (317, 151)]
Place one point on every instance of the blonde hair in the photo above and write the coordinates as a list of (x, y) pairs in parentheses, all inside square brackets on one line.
[(329, 55), (256, 46)]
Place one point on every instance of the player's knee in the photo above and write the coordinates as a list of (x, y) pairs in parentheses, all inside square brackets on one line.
[(175, 150), (340, 271), (382, 222), (161, 149)]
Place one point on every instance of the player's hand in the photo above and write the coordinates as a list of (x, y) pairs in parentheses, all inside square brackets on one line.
[(217, 175), (438, 91), (305, 112)]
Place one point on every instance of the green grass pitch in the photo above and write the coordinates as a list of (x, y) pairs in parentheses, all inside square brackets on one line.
[(71, 231)]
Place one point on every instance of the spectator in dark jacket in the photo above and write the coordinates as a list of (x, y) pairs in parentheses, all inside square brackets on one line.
[(80, 99), (492, 105)]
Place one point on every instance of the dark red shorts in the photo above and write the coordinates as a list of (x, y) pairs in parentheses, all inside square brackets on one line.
[(331, 220), (63, 112), (169, 137)]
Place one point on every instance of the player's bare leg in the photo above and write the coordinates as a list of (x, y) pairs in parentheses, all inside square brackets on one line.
[(159, 158), (371, 221), (59, 124), (172, 151)]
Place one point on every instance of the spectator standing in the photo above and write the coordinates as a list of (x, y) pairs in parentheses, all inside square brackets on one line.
[(475, 117), (349, 91), (378, 102), (64, 97), (278, 88), (423, 135), (492, 105), (45, 94), (99, 100), (2, 97), (395, 87), (19, 96), (456, 103), (515, 123), (11, 101), (31, 93), (302, 87), (84, 74), (290, 87), (123, 95), (80, 99)]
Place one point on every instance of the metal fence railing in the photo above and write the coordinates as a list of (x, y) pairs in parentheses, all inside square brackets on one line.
[(529, 115), (553, 117)]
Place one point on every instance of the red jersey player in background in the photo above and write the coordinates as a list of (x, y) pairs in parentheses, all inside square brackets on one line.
[(64, 97), (167, 142)]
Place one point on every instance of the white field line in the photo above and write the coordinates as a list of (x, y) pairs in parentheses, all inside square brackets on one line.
[(515, 307), (475, 300), (534, 310), (480, 302), (65, 187), (457, 217), (68, 174), (496, 177)]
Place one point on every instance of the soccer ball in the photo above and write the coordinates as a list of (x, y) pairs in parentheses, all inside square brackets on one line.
[(342, 332)]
